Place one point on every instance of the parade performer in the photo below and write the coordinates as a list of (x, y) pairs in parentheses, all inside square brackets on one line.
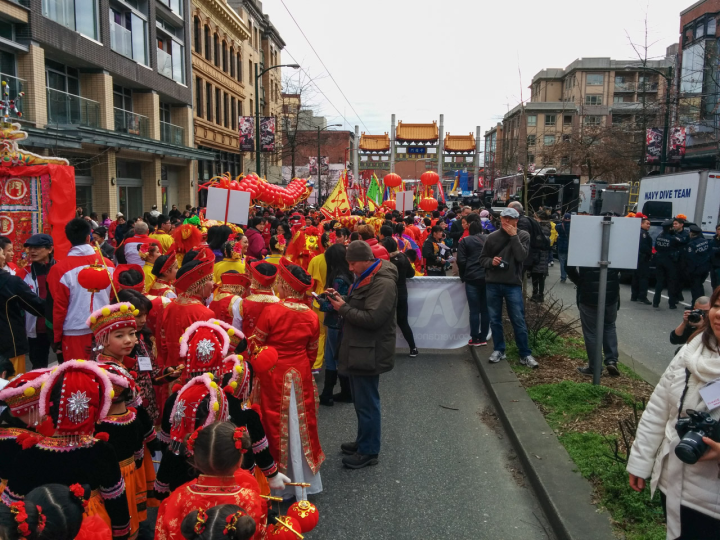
[(287, 392), (304, 246), (228, 298), (162, 234), (164, 271), (149, 254), (198, 404), (233, 256), (225, 521), (262, 278), (187, 237), (71, 302), (73, 399), (217, 451), (277, 249), (193, 285), (318, 272)]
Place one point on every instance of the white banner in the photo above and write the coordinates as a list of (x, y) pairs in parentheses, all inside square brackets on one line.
[(438, 313)]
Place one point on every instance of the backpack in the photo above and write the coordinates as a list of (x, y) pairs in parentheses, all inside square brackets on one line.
[(538, 240)]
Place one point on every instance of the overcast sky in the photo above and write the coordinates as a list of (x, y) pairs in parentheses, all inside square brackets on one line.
[(461, 58)]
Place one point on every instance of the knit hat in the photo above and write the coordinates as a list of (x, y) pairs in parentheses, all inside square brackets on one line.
[(263, 273), (22, 394), (121, 269), (199, 403), (484, 213), (288, 277), (85, 396), (239, 384), (112, 317), (192, 276), (204, 344), (682, 218), (359, 250), (235, 335)]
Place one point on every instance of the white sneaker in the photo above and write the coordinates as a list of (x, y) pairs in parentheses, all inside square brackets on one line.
[(529, 361), (496, 356)]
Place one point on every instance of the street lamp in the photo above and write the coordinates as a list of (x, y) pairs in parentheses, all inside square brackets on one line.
[(319, 170), (668, 81), (257, 110)]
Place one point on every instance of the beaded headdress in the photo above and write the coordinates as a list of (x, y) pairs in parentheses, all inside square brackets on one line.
[(204, 345), (22, 394), (112, 317)]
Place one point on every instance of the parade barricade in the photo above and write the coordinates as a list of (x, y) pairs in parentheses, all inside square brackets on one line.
[(438, 313)]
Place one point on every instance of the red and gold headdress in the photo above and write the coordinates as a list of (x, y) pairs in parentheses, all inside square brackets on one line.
[(235, 335), (171, 260), (234, 283), (112, 317), (204, 345), (286, 275), (262, 280), (240, 382), (191, 282), (184, 418), (121, 269), (22, 394)]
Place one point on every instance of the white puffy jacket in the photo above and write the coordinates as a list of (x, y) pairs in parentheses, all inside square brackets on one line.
[(653, 452)]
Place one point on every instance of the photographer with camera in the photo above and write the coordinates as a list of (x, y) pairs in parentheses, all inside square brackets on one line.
[(435, 252), (692, 320), (669, 447)]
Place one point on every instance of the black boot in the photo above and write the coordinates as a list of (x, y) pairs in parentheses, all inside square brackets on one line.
[(344, 396), (326, 397)]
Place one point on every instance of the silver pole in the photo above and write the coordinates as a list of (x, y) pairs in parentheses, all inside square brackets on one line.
[(392, 144), (477, 159), (356, 157), (602, 293), (441, 144)]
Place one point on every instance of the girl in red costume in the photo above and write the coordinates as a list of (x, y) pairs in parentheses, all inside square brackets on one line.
[(287, 392)]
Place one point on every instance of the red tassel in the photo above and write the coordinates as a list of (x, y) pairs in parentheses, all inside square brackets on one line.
[(27, 440), (46, 427), (256, 407), (228, 389), (102, 436), (176, 388), (133, 374)]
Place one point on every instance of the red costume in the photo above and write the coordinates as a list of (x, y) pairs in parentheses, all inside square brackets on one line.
[(261, 295), (292, 328), (228, 294), (188, 307)]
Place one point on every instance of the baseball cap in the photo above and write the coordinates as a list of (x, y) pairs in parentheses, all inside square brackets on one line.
[(39, 240), (694, 228), (567, 216), (510, 213)]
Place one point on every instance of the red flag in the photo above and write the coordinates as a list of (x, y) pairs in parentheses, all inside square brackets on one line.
[(441, 193)]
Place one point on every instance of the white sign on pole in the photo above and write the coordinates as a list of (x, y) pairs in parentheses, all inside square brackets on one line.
[(228, 205), (586, 241), (404, 201)]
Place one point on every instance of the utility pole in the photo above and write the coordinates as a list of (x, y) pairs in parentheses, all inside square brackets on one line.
[(441, 147), (319, 167), (477, 158), (392, 144), (356, 158)]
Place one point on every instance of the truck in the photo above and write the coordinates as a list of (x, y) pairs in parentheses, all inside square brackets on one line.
[(693, 193)]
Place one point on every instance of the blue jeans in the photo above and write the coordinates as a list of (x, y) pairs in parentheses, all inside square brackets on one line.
[(477, 302), (516, 310), (366, 395), (563, 265), (332, 344)]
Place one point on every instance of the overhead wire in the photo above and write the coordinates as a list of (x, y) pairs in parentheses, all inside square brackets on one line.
[(324, 66)]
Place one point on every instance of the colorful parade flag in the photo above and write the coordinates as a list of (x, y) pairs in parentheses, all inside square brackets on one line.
[(338, 203), (374, 193)]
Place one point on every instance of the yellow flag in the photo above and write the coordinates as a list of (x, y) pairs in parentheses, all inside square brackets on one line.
[(337, 204)]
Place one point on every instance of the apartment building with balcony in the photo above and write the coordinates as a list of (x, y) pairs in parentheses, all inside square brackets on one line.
[(588, 93), (106, 86)]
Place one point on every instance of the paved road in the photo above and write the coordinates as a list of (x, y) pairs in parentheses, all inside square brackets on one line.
[(443, 473), (643, 331)]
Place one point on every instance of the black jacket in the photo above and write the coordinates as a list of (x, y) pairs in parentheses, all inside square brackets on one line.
[(645, 248), (434, 260), (405, 270), (587, 281), (16, 298), (468, 259), (696, 256), (715, 251), (456, 231)]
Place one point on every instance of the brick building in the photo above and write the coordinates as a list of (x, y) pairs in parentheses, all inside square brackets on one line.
[(107, 87)]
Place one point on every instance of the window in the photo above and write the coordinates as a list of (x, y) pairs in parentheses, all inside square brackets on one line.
[(565, 160), (567, 119), (171, 52), (128, 34), (233, 114), (240, 108), (595, 79), (531, 158), (232, 64), (593, 100), (208, 101), (550, 119), (78, 15), (549, 140), (239, 68), (208, 50), (218, 104), (532, 120), (593, 120), (198, 97), (226, 111), (699, 30), (566, 138), (250, 72), (122, 98), (61, 81), (618, 99), (165, 113), (216, 49), (224, 57), (711, 26), (531, 140), (175, 6), (197, 35)]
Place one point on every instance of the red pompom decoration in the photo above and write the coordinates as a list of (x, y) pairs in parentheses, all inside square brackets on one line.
[(46, 427), (264, 359), (306, 513), (176, 388), (102, 436)]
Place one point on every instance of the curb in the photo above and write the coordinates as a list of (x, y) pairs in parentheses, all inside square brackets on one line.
[(563, 493)]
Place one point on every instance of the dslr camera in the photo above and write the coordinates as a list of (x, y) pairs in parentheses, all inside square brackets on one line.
[(691, 430), (504, 265), (695, 316)]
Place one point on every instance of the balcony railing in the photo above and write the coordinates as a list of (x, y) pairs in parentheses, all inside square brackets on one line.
[(648, 87), (170, 133), (164, 64), (14, 86), (132, 123), (120, 39), (624, 86), (64, 108)]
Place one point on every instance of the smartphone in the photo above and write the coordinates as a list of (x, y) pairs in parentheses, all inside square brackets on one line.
[(319, 297)]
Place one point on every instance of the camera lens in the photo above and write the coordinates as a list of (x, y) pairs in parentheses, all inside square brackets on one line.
[(691, 447), (694, 318)]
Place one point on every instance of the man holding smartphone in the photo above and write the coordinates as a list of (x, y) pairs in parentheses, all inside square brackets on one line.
[(367, 347), (503, 255)]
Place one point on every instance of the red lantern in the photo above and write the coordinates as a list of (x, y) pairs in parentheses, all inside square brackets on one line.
[(389, 204), (306, 513), (94, 278), (392, 180), (428, 204), (280, 531), (429, 178)]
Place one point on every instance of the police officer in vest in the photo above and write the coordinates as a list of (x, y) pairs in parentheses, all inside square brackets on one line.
[(666, 261), (639, 287), (696, 261)]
